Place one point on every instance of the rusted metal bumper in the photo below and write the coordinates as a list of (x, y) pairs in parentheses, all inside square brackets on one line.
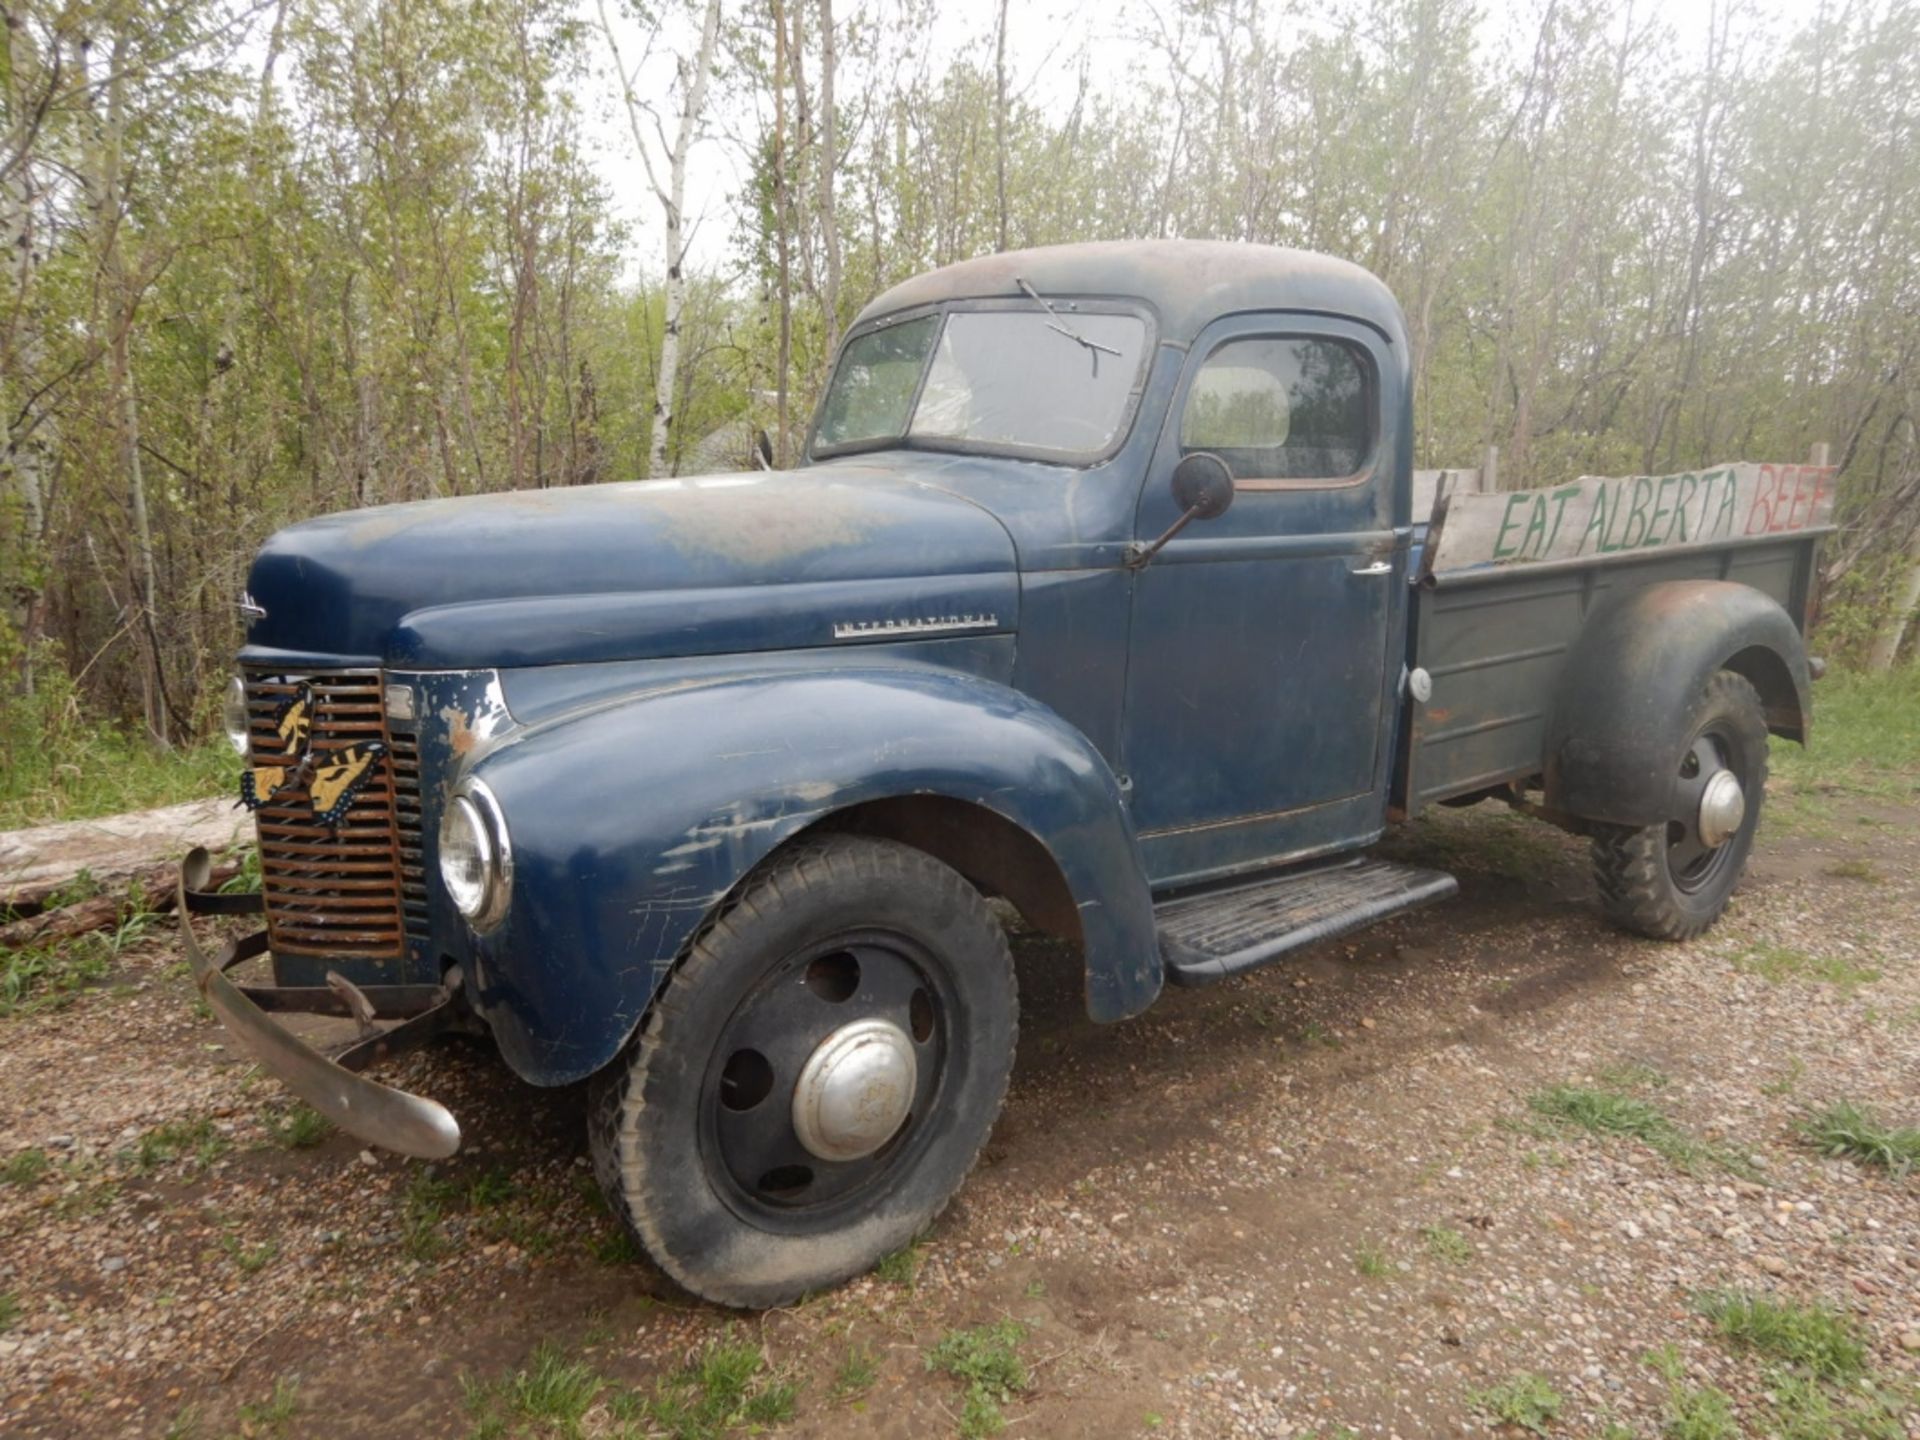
[(376, 1113)]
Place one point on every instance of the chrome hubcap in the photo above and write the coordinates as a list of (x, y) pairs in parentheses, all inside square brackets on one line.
[(855, 1091), (1723, 805)]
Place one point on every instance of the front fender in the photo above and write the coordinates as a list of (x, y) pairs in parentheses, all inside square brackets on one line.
[(630, 822), (1632, 674)]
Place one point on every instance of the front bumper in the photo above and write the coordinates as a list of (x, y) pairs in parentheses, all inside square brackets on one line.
[(376, 1113)]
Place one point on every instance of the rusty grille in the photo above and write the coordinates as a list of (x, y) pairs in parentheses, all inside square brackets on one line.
[(336, 892)]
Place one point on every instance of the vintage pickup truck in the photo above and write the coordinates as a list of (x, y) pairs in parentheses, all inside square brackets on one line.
[(1099, 591)]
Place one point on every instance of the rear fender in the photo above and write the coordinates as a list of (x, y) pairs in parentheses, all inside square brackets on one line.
[(1632, 675), (630, 823)]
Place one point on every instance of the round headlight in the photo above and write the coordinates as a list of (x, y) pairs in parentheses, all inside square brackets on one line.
[(474, 859), (234, 714)]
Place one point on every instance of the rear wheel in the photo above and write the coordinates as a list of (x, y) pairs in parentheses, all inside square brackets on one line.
[(816, 1078), (1672, 880)]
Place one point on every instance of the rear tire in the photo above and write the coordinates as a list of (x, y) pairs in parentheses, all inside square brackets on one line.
[(1663, 881), (728, 1183)]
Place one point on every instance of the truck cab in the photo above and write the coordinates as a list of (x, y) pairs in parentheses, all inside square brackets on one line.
[(1097, 591)]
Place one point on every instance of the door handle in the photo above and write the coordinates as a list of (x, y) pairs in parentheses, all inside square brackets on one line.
[(1379, 567)]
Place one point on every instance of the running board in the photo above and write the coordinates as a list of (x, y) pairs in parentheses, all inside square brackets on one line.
[(1204, 938)]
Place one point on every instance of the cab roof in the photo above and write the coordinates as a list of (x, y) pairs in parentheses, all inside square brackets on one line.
[(1188, 283)]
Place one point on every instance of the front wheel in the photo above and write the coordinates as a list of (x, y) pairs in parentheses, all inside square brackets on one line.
[(1672, 880), (817, 1076)]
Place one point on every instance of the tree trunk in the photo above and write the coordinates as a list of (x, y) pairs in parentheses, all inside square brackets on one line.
[(1000, 120), (783, 358), (23, 453), (829, 164), (676, 248), (1886, 645)]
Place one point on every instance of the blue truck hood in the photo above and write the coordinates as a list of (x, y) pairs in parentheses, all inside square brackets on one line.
[(707, 565)]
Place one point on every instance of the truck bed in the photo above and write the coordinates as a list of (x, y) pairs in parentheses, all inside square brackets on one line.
[(1494, 639)]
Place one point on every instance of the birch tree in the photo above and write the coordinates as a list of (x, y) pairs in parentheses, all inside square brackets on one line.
[(672, 196)]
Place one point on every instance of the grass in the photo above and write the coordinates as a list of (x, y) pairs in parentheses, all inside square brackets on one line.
[(9, 1311), (1699, 1413), (728, 1386), (1811, 1338), (986, 1361), (272, 1415), (1608, 1112), (46, 977), (1844, 1129), (1862, 870), (1866, 738), (249, 1259), (1447, 1245), (855, 1376), (616, 1246), (300, 1127), (902, 1267), (196, 1141), (25, 1167), (1373, 1262), (1527, 1401), (1777, 964), (73, 771), (422, 1210)]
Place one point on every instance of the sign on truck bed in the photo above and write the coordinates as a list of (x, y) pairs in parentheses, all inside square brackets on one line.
[(1595, 516)]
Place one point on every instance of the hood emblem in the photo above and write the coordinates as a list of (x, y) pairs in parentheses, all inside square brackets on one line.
[(929, 625), (251, 608)]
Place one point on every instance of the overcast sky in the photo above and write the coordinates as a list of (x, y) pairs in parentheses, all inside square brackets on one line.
[(1044, 41)]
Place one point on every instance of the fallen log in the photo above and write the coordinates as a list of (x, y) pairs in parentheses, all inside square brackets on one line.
[(150, 889), (38, 864)]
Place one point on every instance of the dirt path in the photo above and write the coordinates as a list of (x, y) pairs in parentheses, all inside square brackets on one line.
[(1316, 1198)]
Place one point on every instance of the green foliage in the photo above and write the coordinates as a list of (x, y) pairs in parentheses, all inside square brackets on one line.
[(24, 1167), (197, 1142), (272, 1415), (55, 765), (856, 1374), (1607, 1112), (298, 1127), (902, 1267), (727, 1387), (1699, 1413), (1373, 1261), (249, 1259), (1843, 1128), (985, 1359), (1866, 739), (1526, 1400), (9, 1311), (46, 977), (1779, 963), (1447, 1245), (1814, 1338), (423, 1209)]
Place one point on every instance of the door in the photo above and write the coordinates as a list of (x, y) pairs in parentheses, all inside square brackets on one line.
[(1257, 684)]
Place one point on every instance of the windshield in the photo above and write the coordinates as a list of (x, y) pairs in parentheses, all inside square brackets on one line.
[(1001, 378)]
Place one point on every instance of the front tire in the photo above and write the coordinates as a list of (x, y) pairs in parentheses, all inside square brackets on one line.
[(1672, 880), (815, 1079)]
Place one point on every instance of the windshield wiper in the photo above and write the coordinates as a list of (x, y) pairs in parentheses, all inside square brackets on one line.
[(1058, 324)]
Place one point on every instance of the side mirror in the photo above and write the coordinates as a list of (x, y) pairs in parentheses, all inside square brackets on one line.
[(1202, 488)]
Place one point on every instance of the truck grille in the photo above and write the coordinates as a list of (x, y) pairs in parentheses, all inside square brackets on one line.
[(353, 891)]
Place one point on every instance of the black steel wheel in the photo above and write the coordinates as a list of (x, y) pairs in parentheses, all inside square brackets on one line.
[(817, 1076), (1672, 880)]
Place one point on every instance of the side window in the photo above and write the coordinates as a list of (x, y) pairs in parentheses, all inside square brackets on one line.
[(1275, 409)]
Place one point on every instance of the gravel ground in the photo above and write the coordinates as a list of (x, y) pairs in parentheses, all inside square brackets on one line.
[(1315, 1201)]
